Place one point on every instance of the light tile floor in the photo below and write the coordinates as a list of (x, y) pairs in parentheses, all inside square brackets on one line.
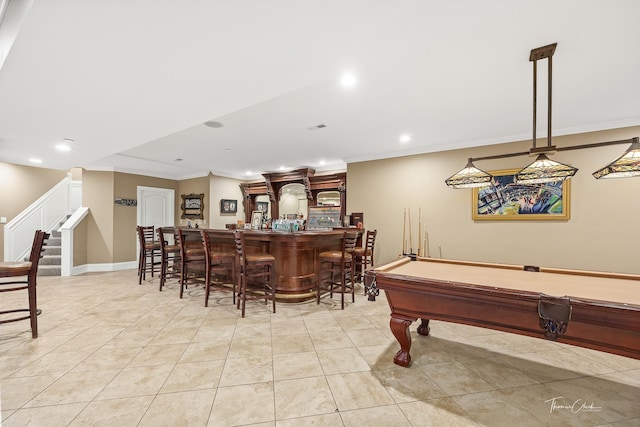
[(114, 353)]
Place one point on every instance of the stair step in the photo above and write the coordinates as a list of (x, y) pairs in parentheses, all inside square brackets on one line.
[(51, 260), (54, 241), (49, 270), (52, 250)]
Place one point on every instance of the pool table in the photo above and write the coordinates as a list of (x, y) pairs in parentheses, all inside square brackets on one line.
[(596, 310)]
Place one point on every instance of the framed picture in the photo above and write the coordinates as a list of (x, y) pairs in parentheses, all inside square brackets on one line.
[(256, 219), (504, 200), (228, 206), (262, 207), (192, 206)]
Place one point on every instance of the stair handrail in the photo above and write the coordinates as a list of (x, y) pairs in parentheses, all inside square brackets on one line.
[(67, 231), (46, 213)]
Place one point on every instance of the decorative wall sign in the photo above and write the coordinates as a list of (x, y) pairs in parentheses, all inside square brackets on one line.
[(126, 202), (192, 206), (228, 206), (506, 200)]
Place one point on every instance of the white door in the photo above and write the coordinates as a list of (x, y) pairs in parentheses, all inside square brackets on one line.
[(155, 207)]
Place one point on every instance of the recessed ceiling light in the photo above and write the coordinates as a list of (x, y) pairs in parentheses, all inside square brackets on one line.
[(213, 124), (348, 80), (249, 173), (227, 149), (322, 163), (63, 147), (405, 138), (34, 160), (282, 168)]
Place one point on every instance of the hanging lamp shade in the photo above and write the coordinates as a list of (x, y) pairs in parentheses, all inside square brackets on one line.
[(544, 170), (625, 166), (469, 177)]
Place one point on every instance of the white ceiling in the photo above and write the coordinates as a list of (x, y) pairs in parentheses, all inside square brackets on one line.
[(132, 82)]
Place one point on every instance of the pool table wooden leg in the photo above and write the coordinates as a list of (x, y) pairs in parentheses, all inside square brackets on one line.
[(423, 328), (400, 329)]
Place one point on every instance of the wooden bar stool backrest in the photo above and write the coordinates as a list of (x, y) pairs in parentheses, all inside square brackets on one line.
[(192, 261), (170, 254), (364, 255), (217, 261), (149, 249), (253, 269), (29, 269), (336, 268)]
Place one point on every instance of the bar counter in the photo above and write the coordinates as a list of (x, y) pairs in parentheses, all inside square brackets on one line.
[(296, 255)]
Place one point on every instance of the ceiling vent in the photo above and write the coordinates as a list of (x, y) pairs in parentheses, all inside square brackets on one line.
[(316, 127)]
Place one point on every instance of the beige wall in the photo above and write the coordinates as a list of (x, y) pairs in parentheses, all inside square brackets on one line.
[(98, 196), (602, 233), (193, 186), (80, 244), (21, 186), (125, 217), (224, 188)]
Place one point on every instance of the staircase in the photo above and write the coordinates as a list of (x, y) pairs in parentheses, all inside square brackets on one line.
[(50, 264)]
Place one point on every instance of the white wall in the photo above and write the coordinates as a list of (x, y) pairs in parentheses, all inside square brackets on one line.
[(602, 233)]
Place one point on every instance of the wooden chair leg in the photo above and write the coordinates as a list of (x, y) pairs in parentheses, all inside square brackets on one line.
[(33, 307)]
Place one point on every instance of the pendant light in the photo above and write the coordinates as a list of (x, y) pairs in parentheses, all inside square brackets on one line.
[(469, 177), (625, 166)]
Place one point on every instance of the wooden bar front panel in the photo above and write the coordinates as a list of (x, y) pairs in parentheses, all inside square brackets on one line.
[(296, 256)]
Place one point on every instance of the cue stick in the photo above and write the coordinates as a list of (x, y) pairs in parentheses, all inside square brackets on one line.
[(419, 225), (410, 233), (426, 242), (404, 226)]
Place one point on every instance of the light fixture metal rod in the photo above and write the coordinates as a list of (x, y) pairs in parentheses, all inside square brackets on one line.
[(573, 147), (535, 99), (550, 63), (598, 144)]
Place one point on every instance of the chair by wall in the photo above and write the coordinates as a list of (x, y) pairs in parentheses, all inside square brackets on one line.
[(20, 275), (336, 270)]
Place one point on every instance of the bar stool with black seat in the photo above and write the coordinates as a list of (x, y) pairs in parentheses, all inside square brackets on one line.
[(9, 274), (169, 255), (192, 261), (363, 256), (217, 262), (336, 269), (149, 250), (256, 274)]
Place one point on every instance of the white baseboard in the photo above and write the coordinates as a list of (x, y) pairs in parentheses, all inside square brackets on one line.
[(93, 268)]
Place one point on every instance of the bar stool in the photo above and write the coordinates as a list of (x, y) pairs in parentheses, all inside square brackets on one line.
[(217, 261), (192, 261), (149, 249), (364, 256), (254, 268), (170, 257), (336, 268), (29, 269)]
